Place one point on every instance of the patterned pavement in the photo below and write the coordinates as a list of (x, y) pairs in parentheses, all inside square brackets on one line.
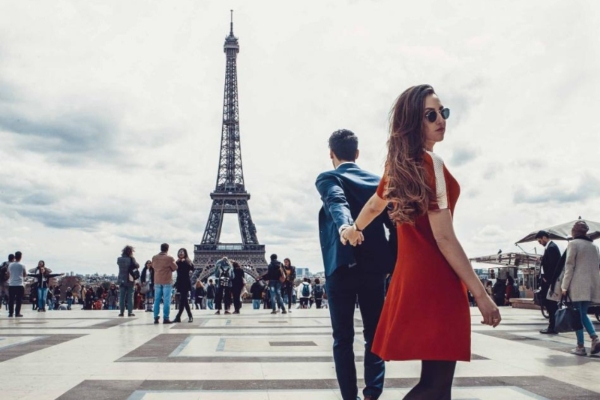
[(96, 355)]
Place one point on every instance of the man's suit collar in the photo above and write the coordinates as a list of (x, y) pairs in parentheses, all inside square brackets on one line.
[(345, 165)]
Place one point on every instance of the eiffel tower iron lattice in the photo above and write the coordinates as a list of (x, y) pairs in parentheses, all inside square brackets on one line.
[(230, 195)]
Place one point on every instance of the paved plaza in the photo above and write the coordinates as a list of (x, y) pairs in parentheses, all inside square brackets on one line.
[(258, 356)]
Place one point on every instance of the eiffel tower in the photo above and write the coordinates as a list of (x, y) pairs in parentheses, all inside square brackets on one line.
[(230, 195)]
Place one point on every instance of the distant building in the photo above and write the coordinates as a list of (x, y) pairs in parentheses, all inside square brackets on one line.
[(302, 272)]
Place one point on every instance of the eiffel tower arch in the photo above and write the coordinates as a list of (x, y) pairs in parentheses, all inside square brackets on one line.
[(230, 195)]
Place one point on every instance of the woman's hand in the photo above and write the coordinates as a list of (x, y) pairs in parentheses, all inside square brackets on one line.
[(489, 310), (353, 236), (564, 292)]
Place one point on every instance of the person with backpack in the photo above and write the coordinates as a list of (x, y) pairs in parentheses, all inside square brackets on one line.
[(318, 292), (276, 276), (224, 275), (4, 279), (304, 293)]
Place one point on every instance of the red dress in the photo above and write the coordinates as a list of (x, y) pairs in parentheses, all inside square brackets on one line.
[(426, 312)]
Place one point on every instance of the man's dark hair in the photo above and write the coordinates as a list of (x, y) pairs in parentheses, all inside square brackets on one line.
[(344, 144), (542, 234), (11, 257), (127, 251), (273, 257), (18, 255), (210, 280), (164, 247)]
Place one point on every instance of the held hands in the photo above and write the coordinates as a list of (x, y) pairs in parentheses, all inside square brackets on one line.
[(489, 310), (350, 234), (564, 292)]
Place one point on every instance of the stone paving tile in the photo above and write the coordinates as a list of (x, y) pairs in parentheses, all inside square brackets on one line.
[(290, 359)]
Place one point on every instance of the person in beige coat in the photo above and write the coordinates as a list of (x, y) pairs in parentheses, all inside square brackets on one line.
[(581, 282), (164, 265)]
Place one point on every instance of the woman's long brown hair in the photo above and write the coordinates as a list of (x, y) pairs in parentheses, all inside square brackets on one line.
[(407, 189)]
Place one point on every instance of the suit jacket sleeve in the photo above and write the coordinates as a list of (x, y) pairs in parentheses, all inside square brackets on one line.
[(334, 200)]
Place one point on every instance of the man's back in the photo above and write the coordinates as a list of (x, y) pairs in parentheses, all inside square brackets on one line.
[(164, 265), (357, 186), (16, 271)]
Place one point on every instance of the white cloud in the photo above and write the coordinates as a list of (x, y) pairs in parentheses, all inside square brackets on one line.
[(110, 116)]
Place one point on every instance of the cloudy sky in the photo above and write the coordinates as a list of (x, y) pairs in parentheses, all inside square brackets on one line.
[(110, 116)]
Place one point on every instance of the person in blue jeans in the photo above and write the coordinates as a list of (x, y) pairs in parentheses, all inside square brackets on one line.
[(126, 265), (211, 291), (43, 276), (581, 282), (273, 275), (353, 273), (256, 290), (164, 266)]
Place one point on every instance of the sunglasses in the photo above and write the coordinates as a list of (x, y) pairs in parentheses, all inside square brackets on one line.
[(431, 116)]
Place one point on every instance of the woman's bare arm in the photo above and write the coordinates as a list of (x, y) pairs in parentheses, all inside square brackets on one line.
[(443, 232), (369, 212)]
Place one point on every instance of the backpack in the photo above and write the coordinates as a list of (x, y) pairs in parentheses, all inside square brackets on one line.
[(305, 290), (4, 272), (318, 291)]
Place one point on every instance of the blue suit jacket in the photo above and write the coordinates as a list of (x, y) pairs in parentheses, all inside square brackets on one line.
[(344, 192)]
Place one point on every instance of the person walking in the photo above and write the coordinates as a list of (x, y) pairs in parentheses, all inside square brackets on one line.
[(127, 269), (223, 273), (548, 265), (352, 273), (211, 292), (69, 297), (581, 282), (423, 194), (275, 276), (147, 279), (42, 276), (256, 290), (287, 289), (16, 289), (164, 265), (237, 285), (183, 284)]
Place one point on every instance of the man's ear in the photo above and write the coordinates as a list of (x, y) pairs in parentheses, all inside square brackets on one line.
[(357, 154), (331, 155)]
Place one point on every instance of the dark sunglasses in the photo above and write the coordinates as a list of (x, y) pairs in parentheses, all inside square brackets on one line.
[(431, 116)]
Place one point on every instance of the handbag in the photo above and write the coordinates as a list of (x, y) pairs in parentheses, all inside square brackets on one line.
[(145, 287), (568, 318), (134, 272)]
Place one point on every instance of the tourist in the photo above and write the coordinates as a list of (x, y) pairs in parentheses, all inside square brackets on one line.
[(138, 298), (288, 287), (256, 290), (56, 297), (200, 294), (317, 292), (548, 265), (238, 281), (223, 273), (69, 297), (183, 284), (422, 195), (164, 265), (210, 295), (352, 273), (4, 280), (42, 276), (16, 289), (113, 295), (127, 266), (581, 283), (147, 279), (33, 296), (275, 276), (488, 288), (304, 291), (499, 292)]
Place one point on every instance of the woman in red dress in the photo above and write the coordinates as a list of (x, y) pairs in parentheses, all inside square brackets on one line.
[(421, 321)]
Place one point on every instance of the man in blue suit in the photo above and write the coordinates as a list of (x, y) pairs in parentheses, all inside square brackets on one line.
[(353, 272)]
